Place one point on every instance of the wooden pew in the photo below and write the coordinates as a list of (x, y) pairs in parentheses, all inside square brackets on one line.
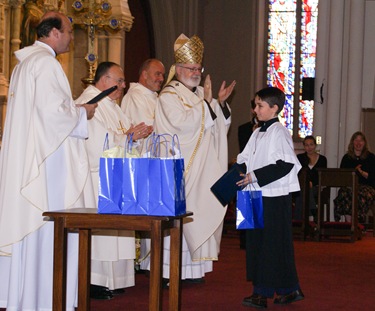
[(336, 178), (303, 228)]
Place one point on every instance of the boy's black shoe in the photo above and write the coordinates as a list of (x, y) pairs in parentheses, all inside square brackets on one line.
[(117, 291), (289, 298), (255, 301)]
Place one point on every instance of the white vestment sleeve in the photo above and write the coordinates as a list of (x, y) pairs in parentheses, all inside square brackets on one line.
[(81, 130), (208, 122)]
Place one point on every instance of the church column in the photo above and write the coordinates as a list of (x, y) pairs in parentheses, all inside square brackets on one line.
[(15, 41), (6, 37), (320, 106), (3, 51), (333, 75), (115, 47), (354, 68), (116, 39)]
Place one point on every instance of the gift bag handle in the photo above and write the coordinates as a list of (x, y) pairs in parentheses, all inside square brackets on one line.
[(106, 142), (154, 142), (129, 143), (153, 146), (249, 187), (174, 142)]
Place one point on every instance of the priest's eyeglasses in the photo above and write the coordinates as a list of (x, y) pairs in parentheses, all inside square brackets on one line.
[(118, 81), (193, 69)]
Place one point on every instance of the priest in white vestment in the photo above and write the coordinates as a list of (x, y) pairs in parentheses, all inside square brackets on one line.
[(140, 101), (113, 251), (139, 105), (43, 167), (201, 123)]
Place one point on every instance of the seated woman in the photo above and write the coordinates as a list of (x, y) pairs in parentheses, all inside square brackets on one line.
[(359, 157), (311, 160)]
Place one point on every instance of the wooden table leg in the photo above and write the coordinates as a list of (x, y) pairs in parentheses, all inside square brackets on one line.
[(59, 265), (84, 270), (175, 266), (156, 269)]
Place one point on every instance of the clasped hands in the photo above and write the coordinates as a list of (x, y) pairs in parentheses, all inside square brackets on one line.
[(140, 130), (224, 91)]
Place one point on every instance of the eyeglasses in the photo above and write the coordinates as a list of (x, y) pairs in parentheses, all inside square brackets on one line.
[(193, 69), (118, 81)]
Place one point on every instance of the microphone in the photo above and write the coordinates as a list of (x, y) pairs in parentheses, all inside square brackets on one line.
[(102, 95)]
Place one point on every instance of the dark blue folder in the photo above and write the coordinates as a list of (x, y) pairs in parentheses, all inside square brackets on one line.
[(225, 188)]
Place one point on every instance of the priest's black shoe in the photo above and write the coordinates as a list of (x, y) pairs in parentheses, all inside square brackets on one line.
[(100, 292), (255, 301), (165, 283), (118, 291), (194, 281), (289, 298)]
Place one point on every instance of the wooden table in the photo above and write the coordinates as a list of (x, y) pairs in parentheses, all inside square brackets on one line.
[(86, 219)]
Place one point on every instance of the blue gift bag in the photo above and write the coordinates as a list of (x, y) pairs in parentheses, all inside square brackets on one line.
[(142, 186), (249, 211)]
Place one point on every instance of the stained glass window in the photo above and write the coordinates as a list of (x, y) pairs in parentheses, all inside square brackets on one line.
[(292, 29)]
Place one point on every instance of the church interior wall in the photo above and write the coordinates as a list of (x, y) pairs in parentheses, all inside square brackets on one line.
[(139, 42), (368, 69), (228, 57), (80, 64), (234, 34)]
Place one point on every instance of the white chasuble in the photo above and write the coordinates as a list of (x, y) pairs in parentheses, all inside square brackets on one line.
[(113, 251), (204, 149), (43, 167), (139, 104)]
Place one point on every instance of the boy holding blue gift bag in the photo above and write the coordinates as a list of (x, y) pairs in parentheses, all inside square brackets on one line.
[(272, 167)]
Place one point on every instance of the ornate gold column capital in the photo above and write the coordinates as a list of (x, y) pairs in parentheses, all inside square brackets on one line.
[(16, 3), (122, 14)]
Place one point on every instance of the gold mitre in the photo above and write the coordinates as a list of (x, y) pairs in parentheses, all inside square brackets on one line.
[(188, 51)]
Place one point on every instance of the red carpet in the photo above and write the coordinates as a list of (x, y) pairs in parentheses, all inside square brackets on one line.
[(333, 276)]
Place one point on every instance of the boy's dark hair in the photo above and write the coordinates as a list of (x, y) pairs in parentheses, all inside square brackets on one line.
[(103, 70), (45, 26), (272, 96), (253, 104)]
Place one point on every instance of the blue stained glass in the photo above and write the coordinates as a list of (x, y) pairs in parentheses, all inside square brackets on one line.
[(309, 22), (282, 55), (281, 59)]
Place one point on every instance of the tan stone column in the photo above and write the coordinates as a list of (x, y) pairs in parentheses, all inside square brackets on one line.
[(115, 47), (15, 41), (3, 51)]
